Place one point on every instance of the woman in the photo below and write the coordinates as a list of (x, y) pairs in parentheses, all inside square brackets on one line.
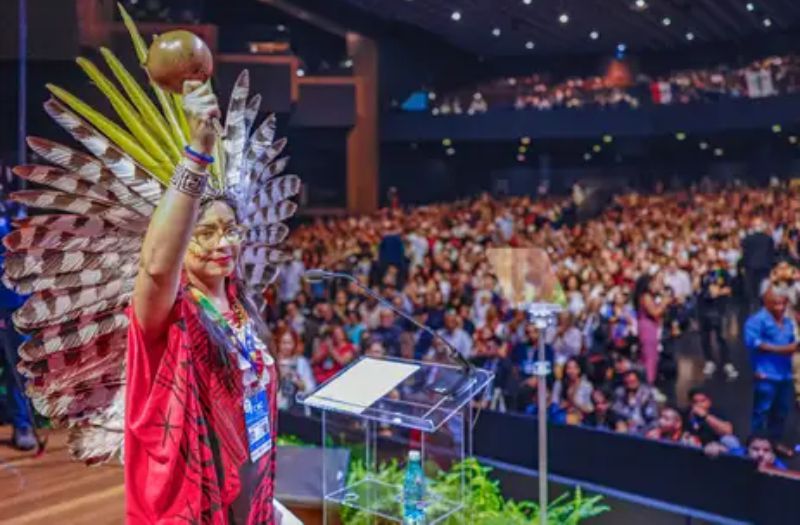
[(332, 355), (202, 384), (295, 370), (573, 392), (650, 310), (141, 328)]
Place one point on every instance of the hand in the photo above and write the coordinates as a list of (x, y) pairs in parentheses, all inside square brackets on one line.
[(202, 110), (699, 411)]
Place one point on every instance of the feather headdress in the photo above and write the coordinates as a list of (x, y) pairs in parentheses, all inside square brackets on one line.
[(78, 263)]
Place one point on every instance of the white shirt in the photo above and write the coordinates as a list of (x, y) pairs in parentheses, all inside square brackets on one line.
[(291, 275), (680, 282), (459, 339)]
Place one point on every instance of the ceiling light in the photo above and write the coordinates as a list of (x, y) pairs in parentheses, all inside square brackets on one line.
[(525, 140), (596, 148), (587, 157), (704, 145), (689, 36), (512, 81), (594, 35), (750, 6), (608, 139), (641, 4), (529, 45), (621, 47), (450, 152), (447, 142), (301, 72), (719, 152), (496, 31), (793, 140), (431, 96), (777, 128), (348, 63), (477, 95), (767, 22), (520, 158), (281, 28), (527, 2), (563, 18), (456, 16), (522, 149), (666, 21), (680, 135)]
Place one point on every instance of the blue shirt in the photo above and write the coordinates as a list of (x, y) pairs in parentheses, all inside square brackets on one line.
[(760, 328)]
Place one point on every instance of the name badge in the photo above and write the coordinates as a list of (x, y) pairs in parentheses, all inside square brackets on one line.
[(256, 419)]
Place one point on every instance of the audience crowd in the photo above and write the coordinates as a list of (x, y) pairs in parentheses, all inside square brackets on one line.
[(775, 75), (635, 278)]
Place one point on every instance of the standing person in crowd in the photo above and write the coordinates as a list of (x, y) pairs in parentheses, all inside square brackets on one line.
[(567, 340), (387, 332), (715, 289), (635, 403), (17, 402), (770, 336), (295, 371), (650, 309), (758, 256)]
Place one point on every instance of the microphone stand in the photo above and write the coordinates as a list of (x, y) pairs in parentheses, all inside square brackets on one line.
[(467, 368)]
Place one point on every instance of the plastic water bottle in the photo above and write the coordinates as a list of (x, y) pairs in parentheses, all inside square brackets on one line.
[(414, 491)]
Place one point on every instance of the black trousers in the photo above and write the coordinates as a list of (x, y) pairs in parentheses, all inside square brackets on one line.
[(753, 277), (711, 328)]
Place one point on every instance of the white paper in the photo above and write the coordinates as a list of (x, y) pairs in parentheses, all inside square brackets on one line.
[(284, 516), (361, 385)]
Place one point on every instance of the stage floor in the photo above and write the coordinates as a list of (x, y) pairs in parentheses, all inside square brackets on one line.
[(53, 489)]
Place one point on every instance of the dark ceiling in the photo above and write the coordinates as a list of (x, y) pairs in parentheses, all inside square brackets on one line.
[(639, 24)]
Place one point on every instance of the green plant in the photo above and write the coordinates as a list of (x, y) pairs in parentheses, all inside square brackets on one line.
[(484, 503)]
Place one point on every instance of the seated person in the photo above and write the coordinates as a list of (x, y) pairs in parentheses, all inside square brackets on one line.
[(602, 417), (635, 403), (573, 392), (670, 428), (706, 423)]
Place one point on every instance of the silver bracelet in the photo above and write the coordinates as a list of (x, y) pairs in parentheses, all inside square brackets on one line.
[(188, 181)]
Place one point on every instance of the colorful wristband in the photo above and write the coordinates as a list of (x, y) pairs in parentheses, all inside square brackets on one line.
[(200, 158)]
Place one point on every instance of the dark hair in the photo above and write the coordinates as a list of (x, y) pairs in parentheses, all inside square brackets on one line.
[(759, 436), (640, 288), (698, 390)]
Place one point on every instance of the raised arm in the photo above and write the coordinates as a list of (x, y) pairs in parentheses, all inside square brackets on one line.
[(171, 226)]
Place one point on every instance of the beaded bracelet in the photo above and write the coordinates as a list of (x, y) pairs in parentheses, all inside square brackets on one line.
[(200, 158)]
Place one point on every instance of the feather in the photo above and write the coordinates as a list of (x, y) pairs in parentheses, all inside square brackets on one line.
[(274, 191), (276, 213), (52, 262), (100, 437), (251, 112), (112, 157), (66, 182), (259, 274), (63, 365), (82, 401), (56, 200), (81, 278), (40, 238), (81, 226), (233, 144), (89, 169), (267, 235), (81, 332), (121, 138), (50, 307), (260, 176)]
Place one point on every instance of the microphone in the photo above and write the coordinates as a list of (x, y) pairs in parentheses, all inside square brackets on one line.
[(317, 274)]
